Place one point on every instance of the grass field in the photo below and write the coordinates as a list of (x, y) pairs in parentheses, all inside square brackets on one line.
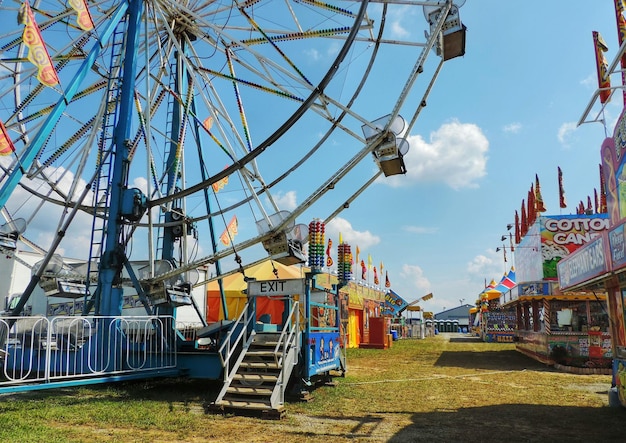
[(435, 390)]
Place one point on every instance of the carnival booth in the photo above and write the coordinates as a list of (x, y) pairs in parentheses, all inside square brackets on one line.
[(497, 322), (553, 325), (599, 266)]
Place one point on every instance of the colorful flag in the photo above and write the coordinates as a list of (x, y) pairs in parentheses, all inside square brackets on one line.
[(531, 212), (602, 208), (229, 233), (329, 260), (83, 17), (387, 282), (363, 270), (208, 123), (218, 185), (602, 67), (562, 201), (589, 205), (620, 6), (37, 51), (375, 276), (358, 251), (524, 221), (6, 144), (539, 207)]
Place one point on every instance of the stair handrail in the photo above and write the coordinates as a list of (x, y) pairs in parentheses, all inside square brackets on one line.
[(230, 348), (288, 342)]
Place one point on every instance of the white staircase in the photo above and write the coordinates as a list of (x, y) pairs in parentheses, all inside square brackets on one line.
[(258, 376)]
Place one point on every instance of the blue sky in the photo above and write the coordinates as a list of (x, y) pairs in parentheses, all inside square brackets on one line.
[(504, 112)]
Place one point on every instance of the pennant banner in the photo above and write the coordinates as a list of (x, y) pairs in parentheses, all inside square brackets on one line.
[(602, 66), (230, 232), (37, 51), (329, 260), (539, 206), (562, 201), (6, 144), (83, 17)]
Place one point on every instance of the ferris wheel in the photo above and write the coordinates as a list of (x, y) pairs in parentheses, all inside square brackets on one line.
[(170, 131)]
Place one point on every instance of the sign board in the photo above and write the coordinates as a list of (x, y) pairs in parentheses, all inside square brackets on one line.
[(275, 287)]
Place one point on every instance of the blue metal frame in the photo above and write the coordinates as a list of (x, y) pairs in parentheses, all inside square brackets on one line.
[(321, 344)]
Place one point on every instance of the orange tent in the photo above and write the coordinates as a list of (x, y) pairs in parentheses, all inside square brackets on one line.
[(234, 285)]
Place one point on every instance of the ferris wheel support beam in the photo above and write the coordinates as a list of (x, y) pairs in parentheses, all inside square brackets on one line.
[(27, 158), (113, 257)]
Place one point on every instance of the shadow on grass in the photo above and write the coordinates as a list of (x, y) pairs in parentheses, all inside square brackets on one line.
[(516, 423), (171, 390), (465, 339), (492, 360)]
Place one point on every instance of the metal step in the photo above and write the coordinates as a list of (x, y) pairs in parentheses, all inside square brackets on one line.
[(260, 353), (246, 404), (256, 364), (258, 378), (250, 390)]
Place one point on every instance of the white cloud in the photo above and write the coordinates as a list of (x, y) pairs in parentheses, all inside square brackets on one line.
[(414, 275), (400, 20), (479, 264), (455, 155), (43, 221), (286, 201), (363, 239), (513, 128), (420, 229), (590, 81), (488, 266), (565, 132), (312, 54)]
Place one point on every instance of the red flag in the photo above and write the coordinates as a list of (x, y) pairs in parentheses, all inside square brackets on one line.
[(229, 233), (37, 51), (375, 276), (518, 235), (539, 207), (329, 260), (602, 208), (387, 282), (531, 213), (562, 201), (524, 221), (83, 17), (6, 144), (595, 200), (589, 205), (602, 67)]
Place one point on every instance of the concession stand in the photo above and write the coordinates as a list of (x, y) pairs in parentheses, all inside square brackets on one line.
[(555, 324), (600, 266)]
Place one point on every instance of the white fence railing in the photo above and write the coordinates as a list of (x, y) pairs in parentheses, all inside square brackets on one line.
[(40, 349)]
